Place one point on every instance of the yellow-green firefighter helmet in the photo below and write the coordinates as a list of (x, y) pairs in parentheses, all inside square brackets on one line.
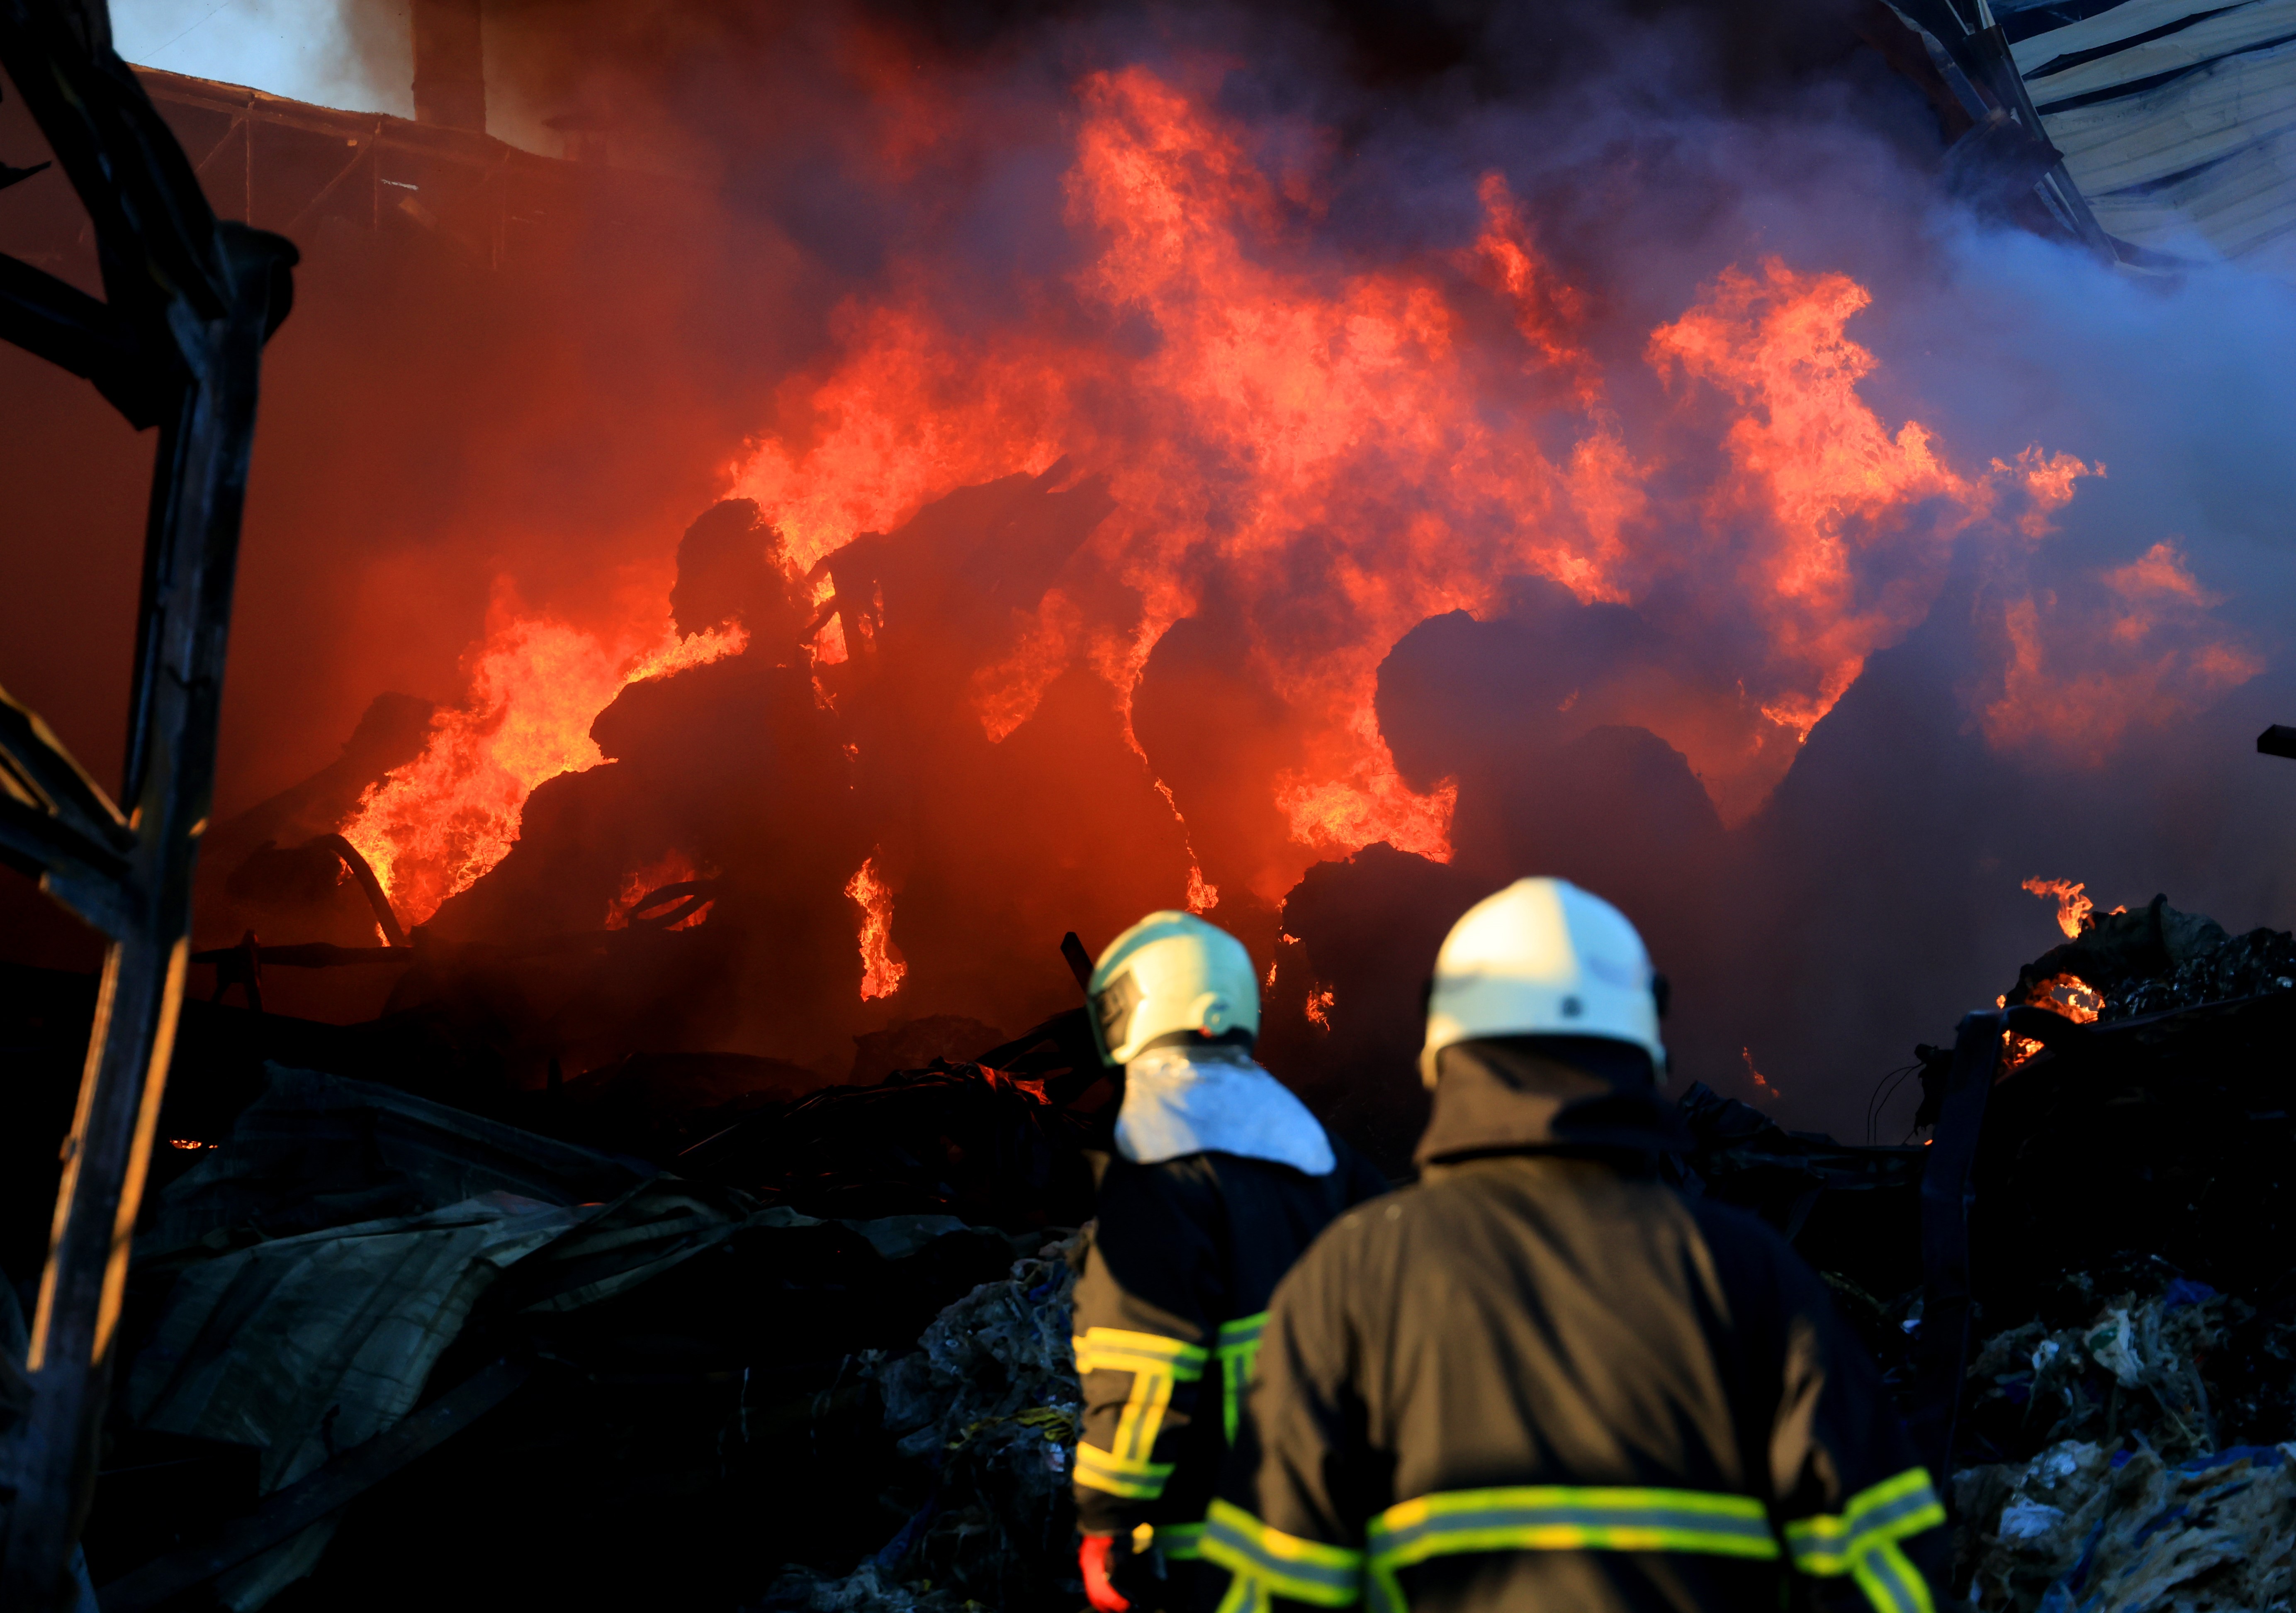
[(1170, 973)]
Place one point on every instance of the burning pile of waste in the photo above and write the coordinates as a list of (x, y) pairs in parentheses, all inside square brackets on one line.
[(817, 1347), (2124, 1443)]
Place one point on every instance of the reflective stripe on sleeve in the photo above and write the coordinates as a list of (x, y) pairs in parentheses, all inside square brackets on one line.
[(1097, 1469), (1862, 1541), (1117, 1350), (1278, 1564), (1238, 1352), (1156, 1363), (1561, 1518)]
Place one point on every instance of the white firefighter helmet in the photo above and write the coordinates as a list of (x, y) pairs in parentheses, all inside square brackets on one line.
[(1170, 972), (1543, 958)]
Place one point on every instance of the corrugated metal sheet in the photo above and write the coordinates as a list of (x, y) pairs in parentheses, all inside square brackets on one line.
[(2123, 21), (2201, 118), (2242, 29), (2201, 145)]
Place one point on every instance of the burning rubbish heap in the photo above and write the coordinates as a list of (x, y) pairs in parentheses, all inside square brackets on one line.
[(818, 1358)]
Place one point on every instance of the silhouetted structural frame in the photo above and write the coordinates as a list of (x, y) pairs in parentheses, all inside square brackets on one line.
[(177, 343)]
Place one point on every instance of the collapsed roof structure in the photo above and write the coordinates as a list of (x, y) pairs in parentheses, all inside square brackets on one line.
[(2155, 130)]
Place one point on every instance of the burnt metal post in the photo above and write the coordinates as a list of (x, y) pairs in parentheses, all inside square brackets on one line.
[(177, 343), (1948, 1196)]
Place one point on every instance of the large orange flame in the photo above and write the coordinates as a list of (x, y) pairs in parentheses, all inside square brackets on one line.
[(883, 969), (1349, 447), (435, 826), (1288, 419)]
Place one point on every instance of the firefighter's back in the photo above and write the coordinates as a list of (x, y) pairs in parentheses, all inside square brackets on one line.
[(1557, 1388)]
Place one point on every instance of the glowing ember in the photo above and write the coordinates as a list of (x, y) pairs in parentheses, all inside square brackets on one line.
[(2073, 907), (2066, 995), (672, 868), (2072, 996), (434, 826), (881, 968), (1762, 1084), (1319, 1008)]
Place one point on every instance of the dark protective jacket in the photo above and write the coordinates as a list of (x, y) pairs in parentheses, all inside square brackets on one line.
[(1542, 1378), (1168, 1314)]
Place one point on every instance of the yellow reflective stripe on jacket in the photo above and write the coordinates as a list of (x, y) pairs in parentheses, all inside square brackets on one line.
[(1862, 1541), (1239, 1353), (1267, 1562), (1118, 1349), (1096, 1469), (1156, 1363), (1561, 1518)]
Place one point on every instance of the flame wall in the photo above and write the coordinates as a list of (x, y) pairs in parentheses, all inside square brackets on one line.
[(1598, 447)]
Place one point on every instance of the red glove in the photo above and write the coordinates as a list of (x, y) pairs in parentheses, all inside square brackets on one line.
[(1094, 1558)]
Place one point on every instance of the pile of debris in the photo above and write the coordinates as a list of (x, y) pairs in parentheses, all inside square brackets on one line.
[(2154, 959), (357, 1274), (813, 1348), (2145, 1474), (985, 1410), (2116, 1440)]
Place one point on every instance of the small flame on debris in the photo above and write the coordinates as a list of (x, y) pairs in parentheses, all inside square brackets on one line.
[(2073, 908), (431, 828), (881, 968), (2072, 996), (2066, 995), (1203, 895), (1762, 1084), (1319, 1006), (188, 1142)]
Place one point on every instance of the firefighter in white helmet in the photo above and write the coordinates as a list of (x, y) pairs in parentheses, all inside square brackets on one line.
[(1540, 1378), (1221, 1177)]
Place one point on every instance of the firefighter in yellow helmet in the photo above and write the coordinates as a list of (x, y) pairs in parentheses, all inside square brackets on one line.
[(1219, 1179), (1540, 1378)]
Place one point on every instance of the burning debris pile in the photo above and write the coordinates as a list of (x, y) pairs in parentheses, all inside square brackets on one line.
[(807, 1351), (2154, 959)]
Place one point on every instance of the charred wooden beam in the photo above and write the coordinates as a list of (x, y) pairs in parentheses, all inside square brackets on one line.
[(177, 343)]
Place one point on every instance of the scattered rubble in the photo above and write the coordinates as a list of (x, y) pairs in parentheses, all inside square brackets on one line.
[(815, 1345), (2085, 1525), (985, 1409)]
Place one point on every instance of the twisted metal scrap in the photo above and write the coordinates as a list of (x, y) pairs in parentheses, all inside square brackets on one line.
[(177, 343)]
